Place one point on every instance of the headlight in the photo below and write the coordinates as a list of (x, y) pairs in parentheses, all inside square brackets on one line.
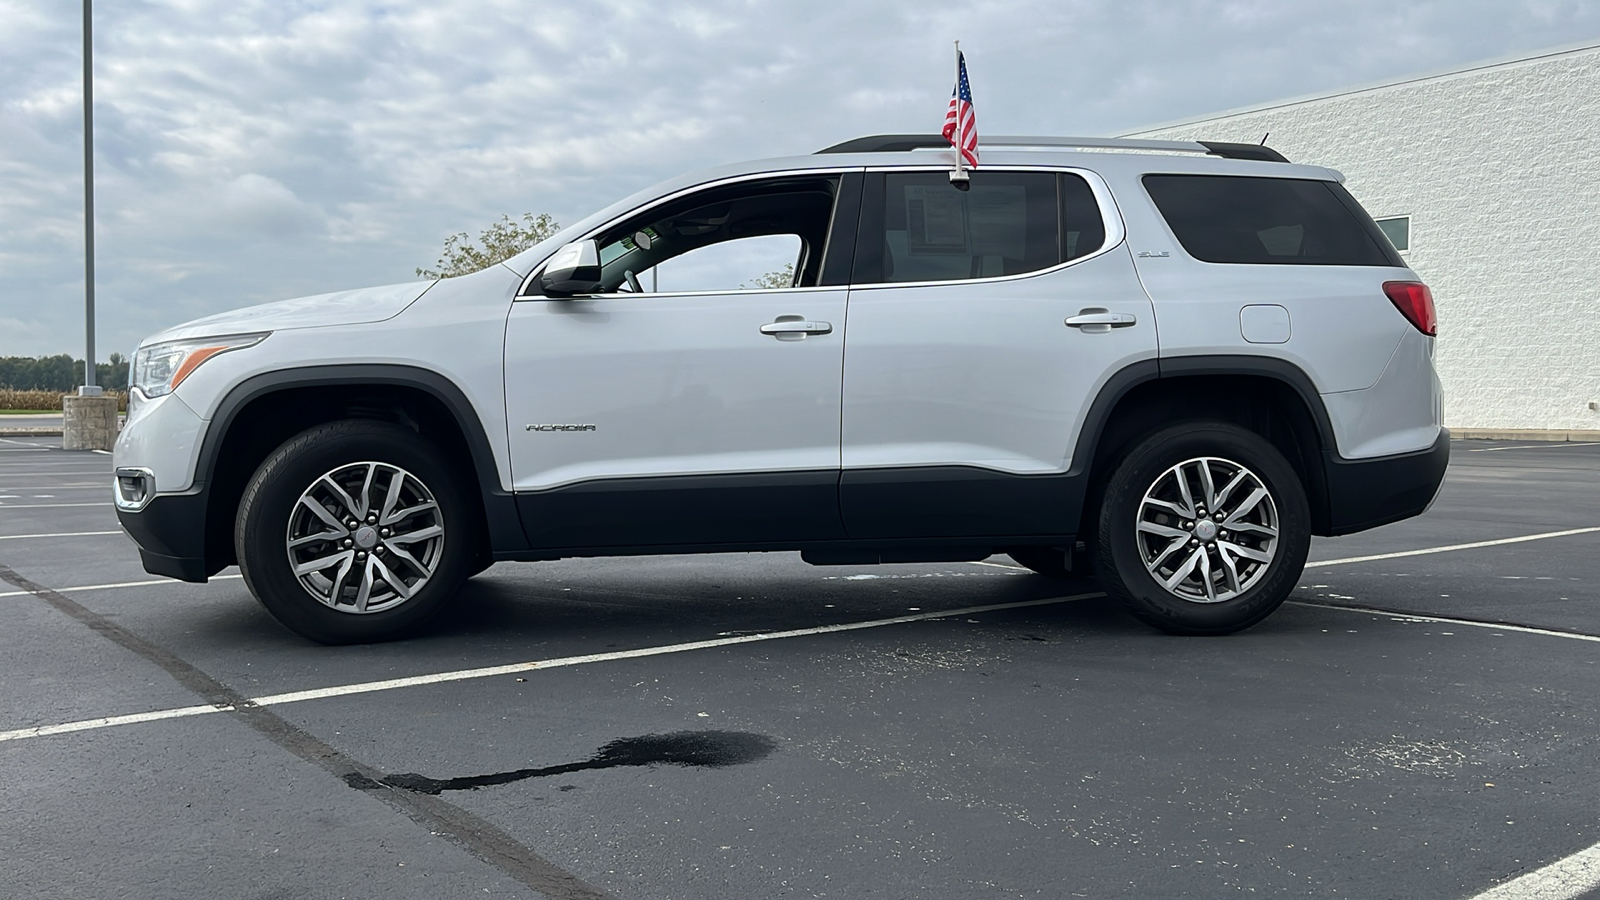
[(159, 368)]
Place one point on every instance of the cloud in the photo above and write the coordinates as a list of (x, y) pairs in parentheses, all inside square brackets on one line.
[(258, 149), (257, 204)]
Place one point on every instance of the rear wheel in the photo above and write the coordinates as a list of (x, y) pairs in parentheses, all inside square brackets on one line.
[(354, 531), (1204, 529)]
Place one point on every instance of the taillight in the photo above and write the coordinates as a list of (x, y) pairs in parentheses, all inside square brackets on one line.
[(1415, 302)]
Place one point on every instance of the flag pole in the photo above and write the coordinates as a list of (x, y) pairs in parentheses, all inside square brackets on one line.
[(960, 173)]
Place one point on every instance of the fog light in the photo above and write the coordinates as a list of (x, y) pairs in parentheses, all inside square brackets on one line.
[(134, 487)]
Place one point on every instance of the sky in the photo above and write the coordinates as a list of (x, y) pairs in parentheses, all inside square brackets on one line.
[(254, 150)]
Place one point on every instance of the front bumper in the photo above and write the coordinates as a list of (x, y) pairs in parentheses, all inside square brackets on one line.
[(171, 534), (1366, 493)]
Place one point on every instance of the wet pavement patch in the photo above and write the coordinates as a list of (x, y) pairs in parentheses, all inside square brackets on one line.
[(696, 749)]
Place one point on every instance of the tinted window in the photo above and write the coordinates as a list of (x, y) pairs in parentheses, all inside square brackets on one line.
[(1233, 219), (916, 226)]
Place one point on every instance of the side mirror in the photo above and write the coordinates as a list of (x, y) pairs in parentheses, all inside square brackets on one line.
[(574, 269)]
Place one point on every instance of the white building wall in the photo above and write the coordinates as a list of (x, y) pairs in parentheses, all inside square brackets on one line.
[(1499, 169)]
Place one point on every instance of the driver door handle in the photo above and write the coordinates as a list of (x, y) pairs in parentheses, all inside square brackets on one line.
[(795, 328)]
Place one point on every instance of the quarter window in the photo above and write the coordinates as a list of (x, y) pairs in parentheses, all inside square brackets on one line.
[(917, 226), (1241, 219)]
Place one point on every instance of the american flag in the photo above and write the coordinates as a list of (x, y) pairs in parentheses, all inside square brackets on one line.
[(961, 120)]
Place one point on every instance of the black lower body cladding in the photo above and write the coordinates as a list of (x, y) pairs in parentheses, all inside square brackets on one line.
[(1366, 493), (171, 534)]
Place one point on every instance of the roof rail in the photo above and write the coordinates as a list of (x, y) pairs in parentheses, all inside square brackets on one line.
[(895, 143)]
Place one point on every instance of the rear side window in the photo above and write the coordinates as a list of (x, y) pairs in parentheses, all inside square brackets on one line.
[(1273, 221), (916, 226)]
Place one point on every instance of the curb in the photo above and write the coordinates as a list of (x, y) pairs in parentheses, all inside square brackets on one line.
[(24, 431), (1523, 434)]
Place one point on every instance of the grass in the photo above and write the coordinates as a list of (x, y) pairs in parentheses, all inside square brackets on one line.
[(15, 402), (26, 412)]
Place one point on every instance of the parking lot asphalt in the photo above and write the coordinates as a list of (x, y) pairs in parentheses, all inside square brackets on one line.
[(1419, 721)]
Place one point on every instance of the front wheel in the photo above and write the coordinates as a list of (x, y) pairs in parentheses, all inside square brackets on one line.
[(1204, 529), (354, 531)]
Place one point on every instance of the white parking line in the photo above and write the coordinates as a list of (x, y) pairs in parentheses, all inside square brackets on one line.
[(1445, 549), (1564, 879), (56, 468), (1423, 552), (59, 534), (390, 684), (107, 722), (47, 505), (125, 584), (81, 474), (1446, 620)]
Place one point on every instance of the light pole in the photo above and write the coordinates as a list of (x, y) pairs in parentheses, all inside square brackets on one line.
[(90, 388), (89, 420)]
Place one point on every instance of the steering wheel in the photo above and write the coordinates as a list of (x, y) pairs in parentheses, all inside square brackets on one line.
[(633, 281)]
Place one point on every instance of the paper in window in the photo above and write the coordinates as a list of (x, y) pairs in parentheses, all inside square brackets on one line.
[(935, 220), (999, 220)]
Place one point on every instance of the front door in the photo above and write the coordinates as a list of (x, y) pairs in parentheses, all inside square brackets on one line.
[(695, 400)]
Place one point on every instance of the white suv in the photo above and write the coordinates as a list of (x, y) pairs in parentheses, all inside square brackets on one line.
[(1175, 362)]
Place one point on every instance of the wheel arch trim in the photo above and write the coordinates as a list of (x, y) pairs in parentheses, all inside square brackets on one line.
[(1120, 384), (505, 527)]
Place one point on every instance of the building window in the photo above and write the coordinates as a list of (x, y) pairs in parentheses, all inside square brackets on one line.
[(1398, 231)]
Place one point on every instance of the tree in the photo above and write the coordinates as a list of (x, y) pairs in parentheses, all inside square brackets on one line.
[(59, 373), (781, 278), (500, 241)]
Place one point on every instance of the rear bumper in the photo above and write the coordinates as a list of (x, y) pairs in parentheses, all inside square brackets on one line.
[(171, 535), (1367, 493)]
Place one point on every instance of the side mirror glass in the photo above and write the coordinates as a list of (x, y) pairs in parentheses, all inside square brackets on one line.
[(574, 269)]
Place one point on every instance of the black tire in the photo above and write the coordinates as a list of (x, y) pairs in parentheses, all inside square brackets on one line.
[(262, 532), (1187, 608)]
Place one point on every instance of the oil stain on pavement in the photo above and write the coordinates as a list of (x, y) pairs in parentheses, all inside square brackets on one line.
[(698, 749)]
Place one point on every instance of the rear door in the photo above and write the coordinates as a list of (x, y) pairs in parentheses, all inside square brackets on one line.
[(982, 324)]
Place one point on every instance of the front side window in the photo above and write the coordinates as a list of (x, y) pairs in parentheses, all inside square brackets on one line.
[(761, 234), (917, 226), (1281, 221)]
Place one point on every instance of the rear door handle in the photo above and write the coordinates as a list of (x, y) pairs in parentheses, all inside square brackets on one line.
[(1097, 320), (795, 328)]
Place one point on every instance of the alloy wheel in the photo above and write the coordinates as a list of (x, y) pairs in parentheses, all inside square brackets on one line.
[(365, 537), (1207, 530)]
